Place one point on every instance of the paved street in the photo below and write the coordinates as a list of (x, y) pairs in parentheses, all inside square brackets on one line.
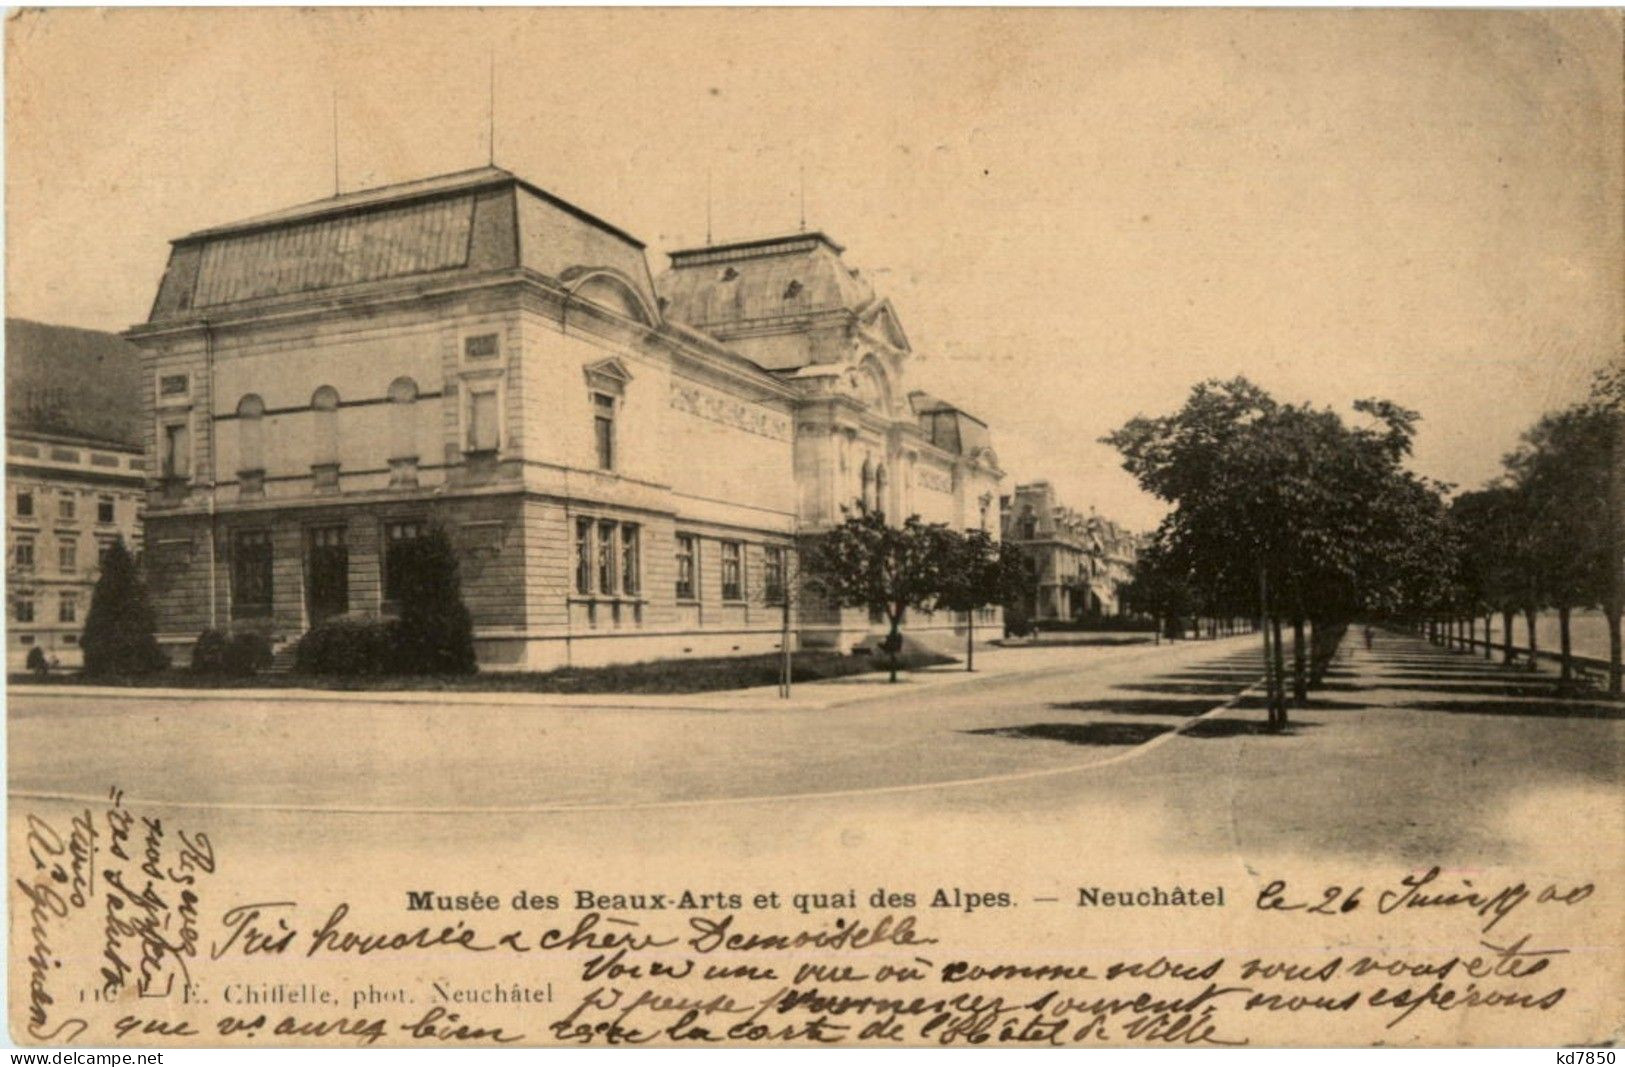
[(1409, 752), (1130, 768)]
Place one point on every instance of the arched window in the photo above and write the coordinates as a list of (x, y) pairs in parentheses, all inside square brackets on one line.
[(250, 443), (403, 394), (866, 493), (880, 487), (324, 406)]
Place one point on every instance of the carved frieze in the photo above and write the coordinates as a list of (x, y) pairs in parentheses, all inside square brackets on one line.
[(707, 403)]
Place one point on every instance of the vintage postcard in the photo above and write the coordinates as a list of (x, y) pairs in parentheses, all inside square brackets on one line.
[(855, 528)]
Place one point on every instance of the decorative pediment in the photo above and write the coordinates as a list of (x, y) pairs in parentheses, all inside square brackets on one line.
[(608, 376), (881, 318), (610, 289)]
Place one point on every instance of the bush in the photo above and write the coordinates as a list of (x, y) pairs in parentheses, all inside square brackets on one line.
[(1018, 617), (209, 653), (37, 661), (1098, 624), (248, 654), (120, 631), (353, 648), (241, 655), (435, 634)]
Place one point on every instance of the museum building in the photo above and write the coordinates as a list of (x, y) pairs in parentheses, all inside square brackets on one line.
[(623, 462)]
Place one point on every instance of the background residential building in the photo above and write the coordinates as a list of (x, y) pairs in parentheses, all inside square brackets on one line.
[(1082, 560), (623, 462), (74, 477)]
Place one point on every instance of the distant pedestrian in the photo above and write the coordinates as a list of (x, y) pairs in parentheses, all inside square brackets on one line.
[(1368, 639)]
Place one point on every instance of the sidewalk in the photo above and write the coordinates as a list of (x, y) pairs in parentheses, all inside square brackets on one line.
[(993, 665), (1402, 671)]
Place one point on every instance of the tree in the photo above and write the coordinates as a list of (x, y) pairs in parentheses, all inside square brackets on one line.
[(1159, 589), (1281, 507), (978, 571), (1566, 471), (867, 563), (1490, 528), (120, 635), (435, 634)]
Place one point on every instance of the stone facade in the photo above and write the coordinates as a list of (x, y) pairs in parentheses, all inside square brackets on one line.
[(1082, 560), (623, 462)]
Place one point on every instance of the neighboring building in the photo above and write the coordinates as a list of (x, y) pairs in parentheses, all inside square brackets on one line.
[(623, 462), (74, 478), (1082, 560)]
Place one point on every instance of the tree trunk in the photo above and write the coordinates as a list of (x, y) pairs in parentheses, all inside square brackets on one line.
[(1534, 642), (894, 644), (1566, 666), (1614, 672), (1280, 672), (1300, 674), (1264, 628), (1506, 636), (970, 640), (1489, 637)]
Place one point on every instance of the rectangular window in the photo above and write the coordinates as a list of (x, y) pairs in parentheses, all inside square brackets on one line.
[(629, 559), (67, 608), (67, 555), (22, 609), (176, 459), (606, 557), (103, 546), (483, 434), (67, 507), (104, 509), (480, 346), (22, 553), (251, 574), (327, 573), (733, 586), (686, 558), (584, 557), (397, 534), (25, 504), (603, 423), (773, 574)]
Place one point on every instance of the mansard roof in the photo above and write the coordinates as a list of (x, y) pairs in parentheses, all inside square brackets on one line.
[(949, 427), (72, 382), (726, 289), (469, 222)]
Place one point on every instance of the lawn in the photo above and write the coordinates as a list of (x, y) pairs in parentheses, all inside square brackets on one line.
[(659, 676)]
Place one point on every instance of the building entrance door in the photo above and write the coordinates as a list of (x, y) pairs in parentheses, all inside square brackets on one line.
[(328, 571)]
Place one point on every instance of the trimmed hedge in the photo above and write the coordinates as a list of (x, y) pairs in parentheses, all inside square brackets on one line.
[(1107, 624), (239, 655), (355, 648)]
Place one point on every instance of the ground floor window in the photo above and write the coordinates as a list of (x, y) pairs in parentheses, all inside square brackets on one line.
[(328, 568), (773, 574), (606, 558), (733, 582), (686, 567), (630, 583), (67, 608), (251, 574), (22, 608), (584, 557), (397, 535)]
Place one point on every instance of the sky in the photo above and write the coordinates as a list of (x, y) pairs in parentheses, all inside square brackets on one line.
[(1077, 214)]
